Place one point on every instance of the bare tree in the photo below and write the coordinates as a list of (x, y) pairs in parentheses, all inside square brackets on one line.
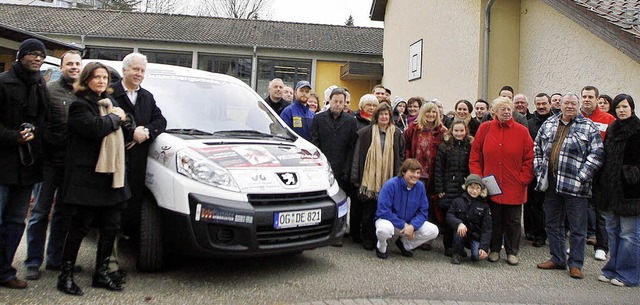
[(242, 9), (349, 21), (159, 6)]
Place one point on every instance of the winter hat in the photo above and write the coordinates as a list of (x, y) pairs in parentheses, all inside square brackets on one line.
[(29, 45), (473, 178), (396, 101)]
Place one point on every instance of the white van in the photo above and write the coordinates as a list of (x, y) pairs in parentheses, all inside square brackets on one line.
[(228, 178)]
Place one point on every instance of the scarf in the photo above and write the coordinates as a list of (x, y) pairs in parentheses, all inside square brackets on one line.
[(378, 165), (411, 118), (111, 159), (34, 94)]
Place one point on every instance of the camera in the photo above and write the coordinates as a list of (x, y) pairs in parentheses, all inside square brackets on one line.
[(24, 126), (26, 156)]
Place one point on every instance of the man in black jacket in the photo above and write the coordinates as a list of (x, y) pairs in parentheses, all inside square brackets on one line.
[(55, 146), (533, 211), (274, 98), (334, 132), (22, 108), (149, 121)]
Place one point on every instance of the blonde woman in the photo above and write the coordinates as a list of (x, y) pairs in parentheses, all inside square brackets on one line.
[(377, 157), (422, 139)]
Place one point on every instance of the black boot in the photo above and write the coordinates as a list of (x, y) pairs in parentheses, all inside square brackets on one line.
[(65, 280), (101, 278)]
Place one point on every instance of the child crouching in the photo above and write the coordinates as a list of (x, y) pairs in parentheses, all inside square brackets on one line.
[(469, 218)]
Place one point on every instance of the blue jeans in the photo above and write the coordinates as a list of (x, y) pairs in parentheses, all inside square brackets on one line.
[(459, 244), (624, 246), (575, 209), (14, 201), (39, 219)]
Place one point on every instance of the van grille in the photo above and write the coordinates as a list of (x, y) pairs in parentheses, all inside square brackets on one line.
[(271, 236), (284, 199)]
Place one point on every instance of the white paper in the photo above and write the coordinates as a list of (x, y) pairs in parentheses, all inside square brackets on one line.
[(492, 185)]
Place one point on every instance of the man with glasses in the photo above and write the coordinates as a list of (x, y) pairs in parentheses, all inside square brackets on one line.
[(23, 97), (568, 151), (55, 146)]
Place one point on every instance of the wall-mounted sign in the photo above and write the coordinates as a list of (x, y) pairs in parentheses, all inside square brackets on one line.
[(415, 60)]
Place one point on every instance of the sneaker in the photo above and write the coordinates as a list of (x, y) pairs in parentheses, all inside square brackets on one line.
[(455, 259), (618, 283), (32, 274), (494, 257), (600, 255), (568, 250), (512, 260), (603, 278)]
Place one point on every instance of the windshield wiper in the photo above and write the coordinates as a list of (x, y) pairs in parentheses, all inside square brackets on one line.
[(249, 133), (193, 132)]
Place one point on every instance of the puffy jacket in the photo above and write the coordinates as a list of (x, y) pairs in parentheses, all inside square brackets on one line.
[(475, 214), (400, 205), (452, 166)]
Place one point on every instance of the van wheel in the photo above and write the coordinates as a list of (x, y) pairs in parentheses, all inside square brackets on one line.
[(151, 246)]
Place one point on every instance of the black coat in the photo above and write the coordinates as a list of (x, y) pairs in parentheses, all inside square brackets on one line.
[(145, 113), (476, 216), (14, 93), (361, 122), (336, 138), (362, 147), (277, 107), (82, 185), (55, 144), (535, 122), (451, 168), (619, 184)]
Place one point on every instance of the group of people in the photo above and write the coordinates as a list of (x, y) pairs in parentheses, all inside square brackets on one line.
[(569, 168), (83, 141)]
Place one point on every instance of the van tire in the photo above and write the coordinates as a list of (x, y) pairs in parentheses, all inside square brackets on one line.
[(151, 246)]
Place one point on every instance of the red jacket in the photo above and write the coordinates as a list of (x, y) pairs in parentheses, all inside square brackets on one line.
[(505, 151), (601, 119)]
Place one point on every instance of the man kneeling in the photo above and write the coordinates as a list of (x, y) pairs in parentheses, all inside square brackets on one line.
[(403, 210)]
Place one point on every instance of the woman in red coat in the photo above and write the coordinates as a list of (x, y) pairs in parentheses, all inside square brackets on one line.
[(422, 139), (504, 149)]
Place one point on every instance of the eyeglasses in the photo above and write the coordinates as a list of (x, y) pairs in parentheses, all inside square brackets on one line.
[(36, 54)]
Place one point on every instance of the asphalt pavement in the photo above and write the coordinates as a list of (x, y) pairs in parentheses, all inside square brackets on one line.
[(335, 275)]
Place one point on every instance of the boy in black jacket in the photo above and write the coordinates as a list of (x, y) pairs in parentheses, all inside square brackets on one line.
[(470, 219)]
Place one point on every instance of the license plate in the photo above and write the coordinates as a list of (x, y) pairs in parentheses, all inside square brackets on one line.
[(282, 220)]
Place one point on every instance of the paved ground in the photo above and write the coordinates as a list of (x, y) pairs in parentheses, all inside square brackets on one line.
[(347, 275)]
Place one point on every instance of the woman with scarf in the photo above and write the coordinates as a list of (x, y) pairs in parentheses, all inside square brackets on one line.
[(366, 108), (463, 112), (620, 195), (413, 109), (422, 139), (377, 157), (94, 186)]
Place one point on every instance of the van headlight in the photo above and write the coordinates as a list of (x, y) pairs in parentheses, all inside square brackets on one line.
[(201, 169), (327, 168)]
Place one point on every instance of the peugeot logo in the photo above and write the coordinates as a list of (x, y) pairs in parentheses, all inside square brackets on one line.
[(289, 179)]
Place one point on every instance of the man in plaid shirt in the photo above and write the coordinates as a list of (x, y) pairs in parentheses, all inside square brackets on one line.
[(568, 151)]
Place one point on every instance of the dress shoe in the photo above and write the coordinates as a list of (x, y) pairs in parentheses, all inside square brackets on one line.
[(382, 255), (14, 284), (494, 257), (448, 252), (119, 276), (548, 265), (576, 273), (404, 251), (538, 243), (591, 241), (512, 260)]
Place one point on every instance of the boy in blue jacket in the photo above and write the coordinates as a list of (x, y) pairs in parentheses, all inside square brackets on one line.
[(403, 211), (469, 217)]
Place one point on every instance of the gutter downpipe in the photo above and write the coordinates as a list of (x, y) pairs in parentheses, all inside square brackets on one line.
[(485, 63)]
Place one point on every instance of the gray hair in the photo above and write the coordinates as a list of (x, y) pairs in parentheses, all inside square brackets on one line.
[(127, 60), (275, 80), (367, 99)]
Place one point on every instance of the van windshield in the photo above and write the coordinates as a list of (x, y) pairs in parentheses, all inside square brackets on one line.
[(211, 106)]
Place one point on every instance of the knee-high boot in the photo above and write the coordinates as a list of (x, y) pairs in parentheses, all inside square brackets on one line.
[(101, 278), (65, 279)]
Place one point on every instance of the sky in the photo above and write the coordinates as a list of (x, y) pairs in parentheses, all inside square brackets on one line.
[(324, 11)]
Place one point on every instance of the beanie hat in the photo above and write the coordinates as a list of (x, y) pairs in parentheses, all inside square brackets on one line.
[(327, 93), (473, 178), (29, 45)]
